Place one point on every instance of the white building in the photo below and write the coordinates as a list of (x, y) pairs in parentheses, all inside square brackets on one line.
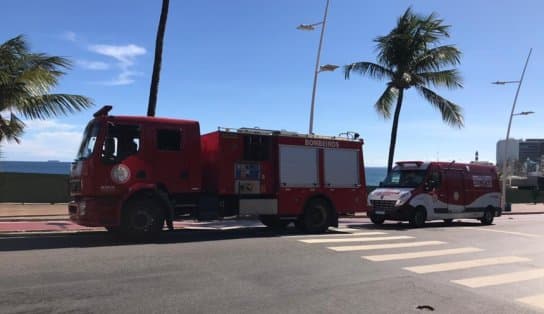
[(512, 151)]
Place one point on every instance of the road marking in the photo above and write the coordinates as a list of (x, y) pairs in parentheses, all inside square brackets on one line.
[(433, 268), (336, 235), (535, 300), (345, 229), (485, 281), (383, 246), (522, 234), (367, 239), (412, 255)]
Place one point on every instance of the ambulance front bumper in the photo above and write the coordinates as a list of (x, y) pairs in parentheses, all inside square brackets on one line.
[(388, 210)]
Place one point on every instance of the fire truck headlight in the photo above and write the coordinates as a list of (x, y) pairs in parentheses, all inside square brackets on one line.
[(403, 198), (120, 174)]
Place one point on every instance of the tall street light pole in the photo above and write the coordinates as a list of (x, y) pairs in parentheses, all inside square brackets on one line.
[(505, 159), (328, 67)]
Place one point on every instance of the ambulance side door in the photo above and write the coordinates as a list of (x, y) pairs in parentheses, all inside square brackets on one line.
[(455, 190)]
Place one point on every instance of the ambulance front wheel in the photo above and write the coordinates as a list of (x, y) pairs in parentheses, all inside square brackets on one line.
[(377, 219), (418, 217)]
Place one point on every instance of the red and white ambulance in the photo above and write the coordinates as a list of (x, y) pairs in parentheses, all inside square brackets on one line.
[(421, 191)]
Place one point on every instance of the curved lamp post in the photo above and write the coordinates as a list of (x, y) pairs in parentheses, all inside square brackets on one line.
[(505, 161), (324, 68)]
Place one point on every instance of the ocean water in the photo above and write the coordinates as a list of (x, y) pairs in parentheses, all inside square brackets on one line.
[(373, 174)]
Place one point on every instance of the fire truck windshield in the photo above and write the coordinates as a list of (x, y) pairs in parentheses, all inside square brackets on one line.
[(404, 178), (88, 142)]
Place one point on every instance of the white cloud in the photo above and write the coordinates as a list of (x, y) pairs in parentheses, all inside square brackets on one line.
[(93, 65), (45, 140), (70, 36), (125, 55)]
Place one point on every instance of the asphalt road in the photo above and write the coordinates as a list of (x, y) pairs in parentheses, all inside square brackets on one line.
[(463, 268)]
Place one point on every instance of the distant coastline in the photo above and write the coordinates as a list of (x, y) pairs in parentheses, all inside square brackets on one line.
[(373, 174)]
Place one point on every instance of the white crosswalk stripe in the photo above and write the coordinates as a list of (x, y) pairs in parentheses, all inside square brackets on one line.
[(433, 268), (412, 255), (383, 246), (365, 239), (335, 235), (499, 279), (534, 300)]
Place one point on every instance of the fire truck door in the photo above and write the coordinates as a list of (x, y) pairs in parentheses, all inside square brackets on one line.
[(455, 191), (170, 160)]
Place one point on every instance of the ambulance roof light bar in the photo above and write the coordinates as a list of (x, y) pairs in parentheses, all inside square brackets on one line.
[(409, 163)]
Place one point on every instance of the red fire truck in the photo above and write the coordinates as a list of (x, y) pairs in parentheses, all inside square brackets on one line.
[(132, 174)]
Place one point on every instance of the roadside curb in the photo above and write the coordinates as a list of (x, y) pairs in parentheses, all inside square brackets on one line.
[(522, 213)]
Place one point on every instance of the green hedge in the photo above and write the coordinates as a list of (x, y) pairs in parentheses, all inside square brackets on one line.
[(53, 188), (33, 188)]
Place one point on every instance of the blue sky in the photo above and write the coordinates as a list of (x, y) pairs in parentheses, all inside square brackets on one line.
[(243, 63)]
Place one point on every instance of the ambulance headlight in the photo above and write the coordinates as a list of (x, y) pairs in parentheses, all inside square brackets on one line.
[(403, 198), (120, 174)]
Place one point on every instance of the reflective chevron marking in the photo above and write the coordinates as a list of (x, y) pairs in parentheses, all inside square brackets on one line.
[(412, 255), (366, 239), (493, 280), (433, 268), (383, 246)]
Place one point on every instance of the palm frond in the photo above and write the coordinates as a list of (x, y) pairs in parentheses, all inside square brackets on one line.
[(448, 78), (451, 113), (385, 102), (51, 105), (12, 129), (435, 58), (367, 68)]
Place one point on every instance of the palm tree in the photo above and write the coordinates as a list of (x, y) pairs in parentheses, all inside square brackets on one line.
[(410, 56), (154, 89), (26, 79)]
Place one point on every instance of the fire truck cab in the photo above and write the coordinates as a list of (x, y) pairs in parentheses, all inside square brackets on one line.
[(132, 174), (421, 191)]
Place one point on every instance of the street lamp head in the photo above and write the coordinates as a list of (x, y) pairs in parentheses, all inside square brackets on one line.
[(503, 82), (524, 113), (328, 68), (306, 27)]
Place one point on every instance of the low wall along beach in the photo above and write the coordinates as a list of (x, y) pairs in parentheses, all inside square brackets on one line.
[(53, 188)]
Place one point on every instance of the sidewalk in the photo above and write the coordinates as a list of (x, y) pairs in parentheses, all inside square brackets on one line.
[(17, 217), (25, 212)]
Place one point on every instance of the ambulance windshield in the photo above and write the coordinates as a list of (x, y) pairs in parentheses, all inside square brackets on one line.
[(404, 178)]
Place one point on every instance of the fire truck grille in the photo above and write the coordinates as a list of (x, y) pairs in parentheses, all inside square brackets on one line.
[(385, 205), (75, 186)]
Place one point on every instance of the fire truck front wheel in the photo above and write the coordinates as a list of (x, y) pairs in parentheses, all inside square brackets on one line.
[(317, 216), (142, 219)]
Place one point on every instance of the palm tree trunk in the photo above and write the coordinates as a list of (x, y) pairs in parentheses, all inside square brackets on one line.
[(154, 89), (394, 131)]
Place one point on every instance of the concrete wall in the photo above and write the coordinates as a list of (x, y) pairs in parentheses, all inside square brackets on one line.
[(33, 188)]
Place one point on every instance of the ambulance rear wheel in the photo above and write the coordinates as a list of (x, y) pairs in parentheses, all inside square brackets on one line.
[(489, 214), (377, 219), (317, 215), (418, 217), (143, 219), (274, 222)]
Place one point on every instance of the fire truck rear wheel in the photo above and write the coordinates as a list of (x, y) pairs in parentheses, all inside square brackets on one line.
[(317, 216), (489, 214), (418, 217), (273, 221), (143, 219)]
